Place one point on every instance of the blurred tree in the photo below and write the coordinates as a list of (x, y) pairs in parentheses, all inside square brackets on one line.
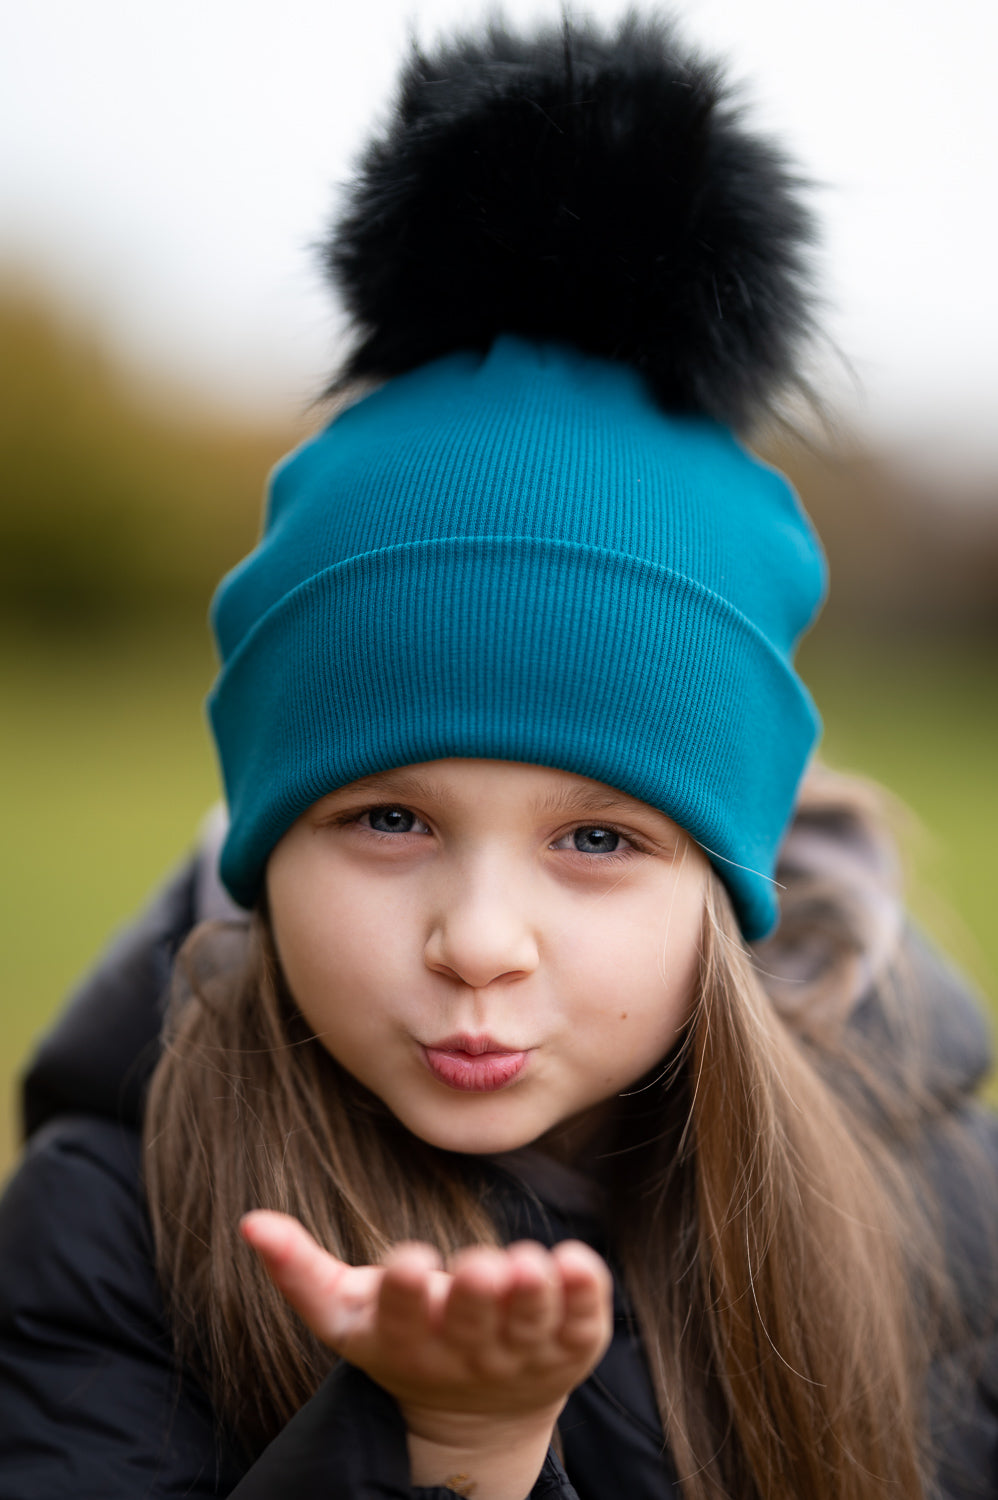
[(118, 503), (903, 556)]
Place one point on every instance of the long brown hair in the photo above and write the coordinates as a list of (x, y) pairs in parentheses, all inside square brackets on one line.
[(779, 1261)]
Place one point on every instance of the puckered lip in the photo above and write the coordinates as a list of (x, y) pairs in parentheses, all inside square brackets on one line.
[(471, 1046), (474, 1064)]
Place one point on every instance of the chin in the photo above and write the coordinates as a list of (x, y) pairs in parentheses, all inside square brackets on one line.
[(470, 1137)]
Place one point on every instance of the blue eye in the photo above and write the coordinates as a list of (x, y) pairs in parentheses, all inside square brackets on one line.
[(595, 840), (391, 819)]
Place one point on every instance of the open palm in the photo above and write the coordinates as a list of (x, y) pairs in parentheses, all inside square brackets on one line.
[(500, 1333)]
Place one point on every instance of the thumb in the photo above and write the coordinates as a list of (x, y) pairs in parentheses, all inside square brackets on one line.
[(327, 1293)]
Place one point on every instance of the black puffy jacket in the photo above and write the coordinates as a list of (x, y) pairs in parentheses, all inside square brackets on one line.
[(93, 1406)]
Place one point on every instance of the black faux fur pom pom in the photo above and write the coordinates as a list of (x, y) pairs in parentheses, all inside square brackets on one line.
[(598, 189)]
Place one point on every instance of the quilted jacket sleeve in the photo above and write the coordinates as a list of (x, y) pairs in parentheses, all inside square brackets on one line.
[(91, 1401)]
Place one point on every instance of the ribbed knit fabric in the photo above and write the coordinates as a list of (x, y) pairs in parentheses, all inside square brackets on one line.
[(518, 556)]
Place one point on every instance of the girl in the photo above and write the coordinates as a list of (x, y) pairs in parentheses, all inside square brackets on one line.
[(508, 1147)]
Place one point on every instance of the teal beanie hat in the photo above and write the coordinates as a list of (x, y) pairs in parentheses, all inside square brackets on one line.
[(518, 556), (539, 539)]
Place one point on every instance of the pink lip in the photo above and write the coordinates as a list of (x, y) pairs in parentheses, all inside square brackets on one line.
[(473, 1064)]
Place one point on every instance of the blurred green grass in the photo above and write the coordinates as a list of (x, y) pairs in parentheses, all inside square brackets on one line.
[(106, 771), (919, 714)]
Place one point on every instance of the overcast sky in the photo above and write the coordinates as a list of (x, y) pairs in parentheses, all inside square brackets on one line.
[(170, 166)]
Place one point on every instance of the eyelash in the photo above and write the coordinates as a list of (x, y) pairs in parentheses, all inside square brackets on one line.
[(614, 856), (611, 856)]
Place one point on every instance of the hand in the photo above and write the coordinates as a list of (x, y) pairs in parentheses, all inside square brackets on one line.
[(503, 1335)]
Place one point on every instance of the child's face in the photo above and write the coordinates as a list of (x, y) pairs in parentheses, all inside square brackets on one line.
[(494, 949)]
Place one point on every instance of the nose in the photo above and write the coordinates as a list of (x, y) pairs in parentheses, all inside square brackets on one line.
[(482, 933)]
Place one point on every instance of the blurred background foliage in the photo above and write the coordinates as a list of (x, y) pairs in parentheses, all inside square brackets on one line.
[(123, 505), (120, 504)]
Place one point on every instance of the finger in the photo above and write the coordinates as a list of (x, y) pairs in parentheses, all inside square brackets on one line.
[(406, 1295), (481, 1278), (315, 1283), (587, 1292), (533, 1307), (413, 1253)]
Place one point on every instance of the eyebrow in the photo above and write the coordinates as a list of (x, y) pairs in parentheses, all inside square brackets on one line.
[(399, 783), (592, 799)]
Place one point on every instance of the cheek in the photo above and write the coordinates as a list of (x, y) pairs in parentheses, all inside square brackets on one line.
[(328, 953), (333, 979), (323, 929), (640, 976), (652, 943)]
